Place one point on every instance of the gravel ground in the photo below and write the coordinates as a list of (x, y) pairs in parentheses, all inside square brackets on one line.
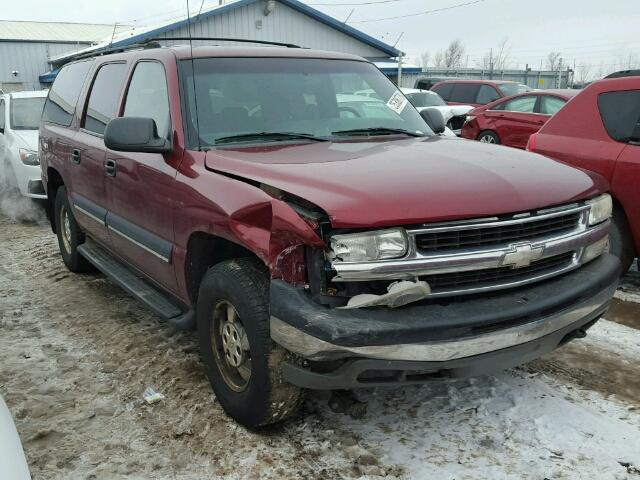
[(77, 353)]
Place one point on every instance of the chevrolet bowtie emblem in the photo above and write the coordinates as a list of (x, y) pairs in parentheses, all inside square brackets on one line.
[(522, 255)]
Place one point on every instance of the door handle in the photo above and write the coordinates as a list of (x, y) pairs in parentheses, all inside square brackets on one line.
[(75, 156), (110, 168)]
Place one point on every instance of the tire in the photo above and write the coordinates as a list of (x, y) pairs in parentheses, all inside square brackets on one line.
[(620, 239), (69, 236), (260, 397), (489, 137)]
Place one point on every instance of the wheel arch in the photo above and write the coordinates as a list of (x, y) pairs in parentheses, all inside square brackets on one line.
[(204, 250)]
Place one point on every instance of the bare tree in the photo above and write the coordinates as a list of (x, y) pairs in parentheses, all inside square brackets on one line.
[(424, 58), (438, 59), (453, 54), (584, 73), (498, 57), (554, 60)]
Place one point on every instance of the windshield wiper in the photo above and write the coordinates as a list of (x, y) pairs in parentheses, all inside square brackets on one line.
[(378, 131), (275, 136)]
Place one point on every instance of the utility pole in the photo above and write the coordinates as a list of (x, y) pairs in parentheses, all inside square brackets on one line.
[(400, 70), (559, 73)]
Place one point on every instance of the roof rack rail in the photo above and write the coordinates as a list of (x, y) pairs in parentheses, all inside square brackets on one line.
[(108, 50), (221, 39)]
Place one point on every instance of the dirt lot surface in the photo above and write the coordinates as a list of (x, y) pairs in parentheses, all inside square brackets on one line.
[(76, 354)]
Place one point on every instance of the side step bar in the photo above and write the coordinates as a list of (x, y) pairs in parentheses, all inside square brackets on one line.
[(136, 286)]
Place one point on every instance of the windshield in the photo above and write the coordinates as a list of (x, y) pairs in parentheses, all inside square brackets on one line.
[(314, 97), (424, 99), (26, 113), (509, 89)]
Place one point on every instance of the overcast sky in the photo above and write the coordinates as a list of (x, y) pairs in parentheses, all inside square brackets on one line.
[(603, 34)]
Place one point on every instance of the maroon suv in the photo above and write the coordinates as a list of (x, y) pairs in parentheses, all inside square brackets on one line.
[(312, 242)]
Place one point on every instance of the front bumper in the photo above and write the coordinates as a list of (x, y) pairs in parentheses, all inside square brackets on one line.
[(471, 335)]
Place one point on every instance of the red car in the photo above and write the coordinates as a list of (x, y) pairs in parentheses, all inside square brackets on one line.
[(476, 92), (511, 120), (315, 244), (599, 130)]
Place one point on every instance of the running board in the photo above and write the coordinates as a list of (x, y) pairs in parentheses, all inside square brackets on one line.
[(136, 286)]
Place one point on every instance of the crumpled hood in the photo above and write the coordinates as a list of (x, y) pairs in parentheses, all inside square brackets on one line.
[(409, 181), (29, 138), (450, 111)]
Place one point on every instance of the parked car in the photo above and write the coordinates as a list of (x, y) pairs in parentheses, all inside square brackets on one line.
[(13, 464), (314, 249), (476, 92), (19, 121), (511, 120), (454, 115), (426, 83), (599, 130)]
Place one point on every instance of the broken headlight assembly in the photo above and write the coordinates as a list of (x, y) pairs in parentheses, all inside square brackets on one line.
[(369, 246), (601, 209)]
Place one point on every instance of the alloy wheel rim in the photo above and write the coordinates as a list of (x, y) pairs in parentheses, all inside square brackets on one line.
[(65, 224), (230, 345), (487, 139)]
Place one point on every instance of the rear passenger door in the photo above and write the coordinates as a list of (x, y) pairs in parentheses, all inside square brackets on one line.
[(89, 195), (518, 121), (141, 187)]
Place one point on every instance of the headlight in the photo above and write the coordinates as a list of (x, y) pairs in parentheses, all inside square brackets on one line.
[(469, 118), (601, 209), (369, 246), (595, 249), (29, 157)]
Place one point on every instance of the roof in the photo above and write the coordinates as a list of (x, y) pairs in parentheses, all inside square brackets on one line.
[(137, 35), (62, 32), (417, 90)]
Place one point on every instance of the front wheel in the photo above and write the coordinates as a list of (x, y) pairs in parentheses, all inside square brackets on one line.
[(243, 363), (621, 241), (70, 236), (489, 137)]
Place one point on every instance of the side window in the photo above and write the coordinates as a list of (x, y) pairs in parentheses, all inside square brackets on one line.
[(103, 100), (465, 92), (521, 104), (64, 93), (2, 115), (444, 90), (148, 97), (550, 105), (620, 112), (486, 94)]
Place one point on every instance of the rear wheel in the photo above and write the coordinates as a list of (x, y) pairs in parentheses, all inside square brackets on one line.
[(621, 241), (70, 236), (489, 137), (243, 363)]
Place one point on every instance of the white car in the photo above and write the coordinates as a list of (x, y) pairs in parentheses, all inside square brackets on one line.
[(454, 115), (20, 114), (370, 99), (13, 464)]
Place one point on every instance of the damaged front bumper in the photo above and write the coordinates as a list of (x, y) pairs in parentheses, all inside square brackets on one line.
[(416, 343)]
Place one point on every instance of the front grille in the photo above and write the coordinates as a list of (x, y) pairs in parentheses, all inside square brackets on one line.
[(494, 276), (497, 234)]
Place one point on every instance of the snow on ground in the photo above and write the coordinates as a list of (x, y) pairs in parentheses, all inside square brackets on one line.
[(76, 353)]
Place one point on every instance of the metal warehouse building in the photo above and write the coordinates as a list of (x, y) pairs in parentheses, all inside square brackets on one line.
[(285, 21), (26, 49)]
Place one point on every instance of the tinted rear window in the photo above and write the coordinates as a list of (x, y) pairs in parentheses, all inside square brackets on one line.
[(465, 92), (443, 90), (64, 93), (103, 100), (620, 112)]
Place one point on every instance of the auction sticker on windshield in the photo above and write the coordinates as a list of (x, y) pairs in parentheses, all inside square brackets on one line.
[(397, 102)]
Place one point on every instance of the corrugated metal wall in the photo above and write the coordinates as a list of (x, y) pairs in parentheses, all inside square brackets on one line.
[(283, 24), (30, 59)]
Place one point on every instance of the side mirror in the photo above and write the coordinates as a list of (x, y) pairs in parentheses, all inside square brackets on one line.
[(135, 134), (434, 119)]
